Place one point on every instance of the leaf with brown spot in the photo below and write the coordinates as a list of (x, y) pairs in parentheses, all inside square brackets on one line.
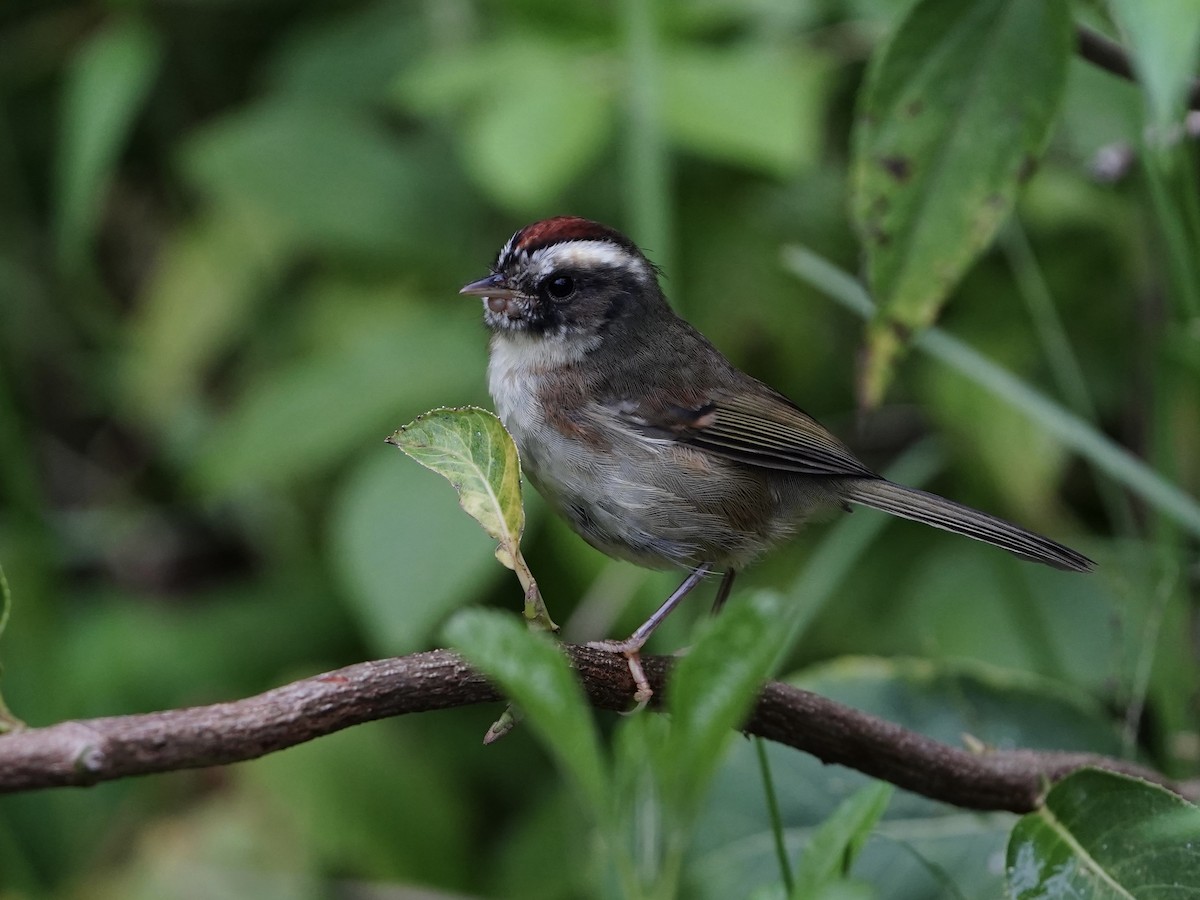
[(956, 111)]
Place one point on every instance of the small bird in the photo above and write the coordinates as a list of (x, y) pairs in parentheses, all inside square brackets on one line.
[(649, 442)]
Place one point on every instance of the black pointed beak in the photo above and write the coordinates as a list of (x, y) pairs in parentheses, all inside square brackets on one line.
[(492, 286)]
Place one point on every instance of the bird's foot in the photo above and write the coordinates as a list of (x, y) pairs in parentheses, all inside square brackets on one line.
[(631, 649)]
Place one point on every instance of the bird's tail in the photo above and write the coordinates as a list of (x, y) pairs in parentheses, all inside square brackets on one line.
[(921, 506)]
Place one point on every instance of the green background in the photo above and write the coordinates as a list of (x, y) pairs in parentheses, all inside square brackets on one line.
[(231, 237)]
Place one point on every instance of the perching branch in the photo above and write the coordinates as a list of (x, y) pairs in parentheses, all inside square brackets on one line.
[(1110, 56), (88, 751)]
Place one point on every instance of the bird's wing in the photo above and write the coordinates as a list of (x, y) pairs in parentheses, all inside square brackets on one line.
[(757, 427)]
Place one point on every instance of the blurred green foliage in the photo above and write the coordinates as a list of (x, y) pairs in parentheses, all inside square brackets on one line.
[(230, 241)]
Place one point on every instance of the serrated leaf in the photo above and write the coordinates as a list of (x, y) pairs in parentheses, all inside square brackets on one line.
[(470, 448), (1103, 835), (957, 109), (108, 81), (834, 845), (712, 689), (532, 671)]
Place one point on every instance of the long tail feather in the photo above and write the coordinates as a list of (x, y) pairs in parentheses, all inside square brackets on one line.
[(921, 506)]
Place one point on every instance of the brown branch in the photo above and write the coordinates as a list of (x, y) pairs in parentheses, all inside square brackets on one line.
[(93, 750), (1110, 56)]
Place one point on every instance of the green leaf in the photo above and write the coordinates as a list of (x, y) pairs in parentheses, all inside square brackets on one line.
[(992, 433), (350, 57), (1103, 835), (381, 357), (452, 80), (712, 690), (107, 83), (919, 841), (957, 109), (532, 671), (206, 284), (470, 448), (835, 844), (319, 174), (1164, 40), (524, 154), (714, 104), (405, 554), (1078, 434)]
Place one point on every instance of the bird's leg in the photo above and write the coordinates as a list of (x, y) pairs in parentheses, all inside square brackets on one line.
[(631, 647), (723, 590)]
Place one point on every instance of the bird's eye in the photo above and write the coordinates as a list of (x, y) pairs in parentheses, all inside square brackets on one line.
[(560, 287)]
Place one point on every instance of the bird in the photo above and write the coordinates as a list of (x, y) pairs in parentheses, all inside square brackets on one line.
[(650, 443)]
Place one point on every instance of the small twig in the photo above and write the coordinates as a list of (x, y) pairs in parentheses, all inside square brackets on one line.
[(1110, 56), (93, 750)]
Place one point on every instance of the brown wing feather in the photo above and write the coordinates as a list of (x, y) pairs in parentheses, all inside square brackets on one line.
[(760, 428)]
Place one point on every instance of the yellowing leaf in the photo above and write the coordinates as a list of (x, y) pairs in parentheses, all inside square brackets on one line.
[(470, 448)]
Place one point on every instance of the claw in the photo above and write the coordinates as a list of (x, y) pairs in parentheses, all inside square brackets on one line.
[(631, 650)]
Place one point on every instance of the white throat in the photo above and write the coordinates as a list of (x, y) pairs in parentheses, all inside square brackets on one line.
[(517, 365)]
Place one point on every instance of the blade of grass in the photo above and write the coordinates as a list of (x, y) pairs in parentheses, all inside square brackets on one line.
[(1159, 167), (647, 160), (833, 847), (1067, 427), (845, 544), (1047, 324), (1057, 350)]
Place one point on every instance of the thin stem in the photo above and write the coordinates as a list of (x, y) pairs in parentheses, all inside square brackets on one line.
[(536, 612), (764, 766), (1107, 54), (1048, 325), (1143, 668), (1074, 432), (1060, 355), (1181, 264)]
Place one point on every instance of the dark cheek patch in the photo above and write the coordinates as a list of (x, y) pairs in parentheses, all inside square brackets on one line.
[(617, 305)]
